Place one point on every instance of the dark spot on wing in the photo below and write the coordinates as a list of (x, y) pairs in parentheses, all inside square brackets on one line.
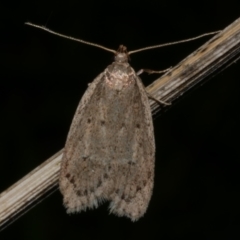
[(68, 175), (72, 180), (105, 176), (138, 189), (144, 183), (85, 158), (99, 183), (79, 193), (131, 163)]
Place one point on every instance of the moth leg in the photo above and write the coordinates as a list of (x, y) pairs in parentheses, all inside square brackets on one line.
[(149, 71), (161, 102)]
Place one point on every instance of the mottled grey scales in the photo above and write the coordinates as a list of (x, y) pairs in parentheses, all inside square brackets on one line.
[(110, 150)]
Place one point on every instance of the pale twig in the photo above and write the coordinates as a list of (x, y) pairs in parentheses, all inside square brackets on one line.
[(214, 56)]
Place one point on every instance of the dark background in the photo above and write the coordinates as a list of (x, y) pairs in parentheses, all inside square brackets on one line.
[(42, 78)]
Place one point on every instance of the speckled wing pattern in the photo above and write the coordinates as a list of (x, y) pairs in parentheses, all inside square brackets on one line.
[(110, 150)]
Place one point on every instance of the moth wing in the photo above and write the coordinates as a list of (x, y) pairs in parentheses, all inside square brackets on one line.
[(110, 150), (132, 199), (73, 193)]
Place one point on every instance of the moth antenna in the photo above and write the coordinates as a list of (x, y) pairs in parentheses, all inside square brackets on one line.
[(113, 51), (71, 38), (172, 43)]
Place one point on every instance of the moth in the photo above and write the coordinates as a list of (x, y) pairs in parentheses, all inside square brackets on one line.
[(110, 149)]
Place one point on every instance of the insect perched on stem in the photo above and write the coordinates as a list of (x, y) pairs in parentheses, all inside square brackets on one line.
[(110, 149)]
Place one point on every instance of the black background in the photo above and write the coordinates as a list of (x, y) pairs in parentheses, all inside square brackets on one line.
[(42, 78)]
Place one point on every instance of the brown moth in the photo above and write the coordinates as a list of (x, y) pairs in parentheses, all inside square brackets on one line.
[(110, 149)]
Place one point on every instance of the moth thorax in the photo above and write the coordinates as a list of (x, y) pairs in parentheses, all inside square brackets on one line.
[(121, 57)]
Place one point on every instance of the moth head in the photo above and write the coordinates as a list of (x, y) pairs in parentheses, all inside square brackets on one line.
[(121, 55)]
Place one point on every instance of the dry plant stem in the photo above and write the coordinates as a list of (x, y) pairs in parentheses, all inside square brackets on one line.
[(214, 56), (29, 190)]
